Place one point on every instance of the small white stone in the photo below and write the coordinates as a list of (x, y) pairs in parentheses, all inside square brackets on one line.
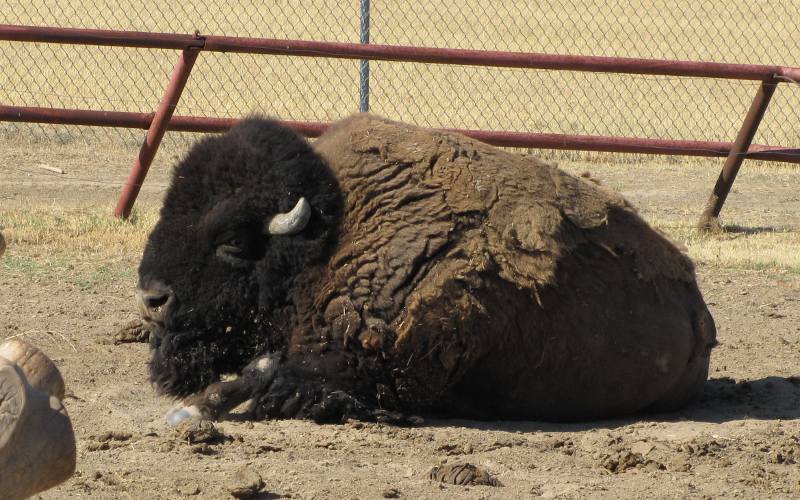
[(183, 413)]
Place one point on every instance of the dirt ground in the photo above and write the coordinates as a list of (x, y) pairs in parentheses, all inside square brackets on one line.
[(742, 439)]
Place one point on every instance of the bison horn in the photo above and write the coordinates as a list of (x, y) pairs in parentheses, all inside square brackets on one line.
[(291, 222), (37, 443)]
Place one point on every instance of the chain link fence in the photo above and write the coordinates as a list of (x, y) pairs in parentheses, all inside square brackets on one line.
[(232, 85)]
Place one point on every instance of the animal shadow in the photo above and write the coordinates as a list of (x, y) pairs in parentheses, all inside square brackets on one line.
[(723, 400), (735, 229), (768, 398)]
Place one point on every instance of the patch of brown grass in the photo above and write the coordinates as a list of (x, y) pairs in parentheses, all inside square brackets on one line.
[(83, 246), (738, 247)]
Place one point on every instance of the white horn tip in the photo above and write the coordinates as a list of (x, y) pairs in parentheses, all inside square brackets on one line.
[(291, 222)]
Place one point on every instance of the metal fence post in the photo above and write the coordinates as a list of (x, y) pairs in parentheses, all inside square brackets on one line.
[(158, 126), (363, 86), (710, 218)]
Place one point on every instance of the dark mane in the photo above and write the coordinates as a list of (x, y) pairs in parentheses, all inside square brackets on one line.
[(222, 192)]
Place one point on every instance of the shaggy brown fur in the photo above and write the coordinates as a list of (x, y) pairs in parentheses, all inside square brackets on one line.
[(470, 281), (496, 285)]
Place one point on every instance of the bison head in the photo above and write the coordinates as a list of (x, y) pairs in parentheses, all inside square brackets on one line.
[(245, 213)]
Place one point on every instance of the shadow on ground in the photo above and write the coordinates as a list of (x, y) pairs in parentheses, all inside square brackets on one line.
[(768, 398), (735, 229), (723, 400)]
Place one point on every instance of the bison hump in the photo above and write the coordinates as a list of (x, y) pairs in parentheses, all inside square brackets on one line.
[(416, 197)]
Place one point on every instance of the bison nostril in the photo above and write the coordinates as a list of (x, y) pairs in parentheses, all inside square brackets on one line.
[(155, 303), (155, 300)]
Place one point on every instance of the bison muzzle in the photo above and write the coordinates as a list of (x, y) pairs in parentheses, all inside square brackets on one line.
[(391, 270)]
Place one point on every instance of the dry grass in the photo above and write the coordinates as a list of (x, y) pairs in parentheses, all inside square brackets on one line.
[(737, 247), (82, 246), (83, 232)]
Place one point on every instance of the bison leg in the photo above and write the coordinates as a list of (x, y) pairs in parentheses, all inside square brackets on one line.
[(221, 397), (327, 388), (303, 389), (310, 387)]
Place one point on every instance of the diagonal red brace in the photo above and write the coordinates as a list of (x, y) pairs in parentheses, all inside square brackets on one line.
[(158, 126), (710, 218)]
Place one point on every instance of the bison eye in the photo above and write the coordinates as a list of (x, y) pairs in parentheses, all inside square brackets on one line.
[(232, 248), (233, 254)]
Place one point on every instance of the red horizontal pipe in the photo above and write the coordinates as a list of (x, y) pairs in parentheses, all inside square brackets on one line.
[(398, 53), (126, 119), (612, 144), (495, 138), (114, 38), (528, 60)]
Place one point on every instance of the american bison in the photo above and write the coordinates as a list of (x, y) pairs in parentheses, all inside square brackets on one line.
[(390, 271)]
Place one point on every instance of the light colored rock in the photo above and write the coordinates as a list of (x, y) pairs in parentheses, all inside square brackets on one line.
[(37, 443)]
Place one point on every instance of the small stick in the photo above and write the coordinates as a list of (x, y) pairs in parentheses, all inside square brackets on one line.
[(51, 169)]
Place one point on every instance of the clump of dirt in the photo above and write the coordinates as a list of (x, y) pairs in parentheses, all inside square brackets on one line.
[(200, 432), (786, 452), (391, 493), (616, 455), (463, 475), (108, 440), (455, 449), (565, 446), (504, 443), (703, 448), (623, 460), (680, 463), (132, 331), (245, 483)]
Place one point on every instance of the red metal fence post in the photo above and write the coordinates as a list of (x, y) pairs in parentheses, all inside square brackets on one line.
[(710, 218), (158, 126)]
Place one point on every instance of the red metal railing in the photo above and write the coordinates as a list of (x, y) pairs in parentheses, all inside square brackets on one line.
[(340, 50), (711, 149), (191, 45)]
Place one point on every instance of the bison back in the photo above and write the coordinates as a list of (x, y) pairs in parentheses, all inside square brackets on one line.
[(492, 285)]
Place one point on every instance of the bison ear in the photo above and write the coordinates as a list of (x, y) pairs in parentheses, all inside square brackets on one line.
[(291, 222)]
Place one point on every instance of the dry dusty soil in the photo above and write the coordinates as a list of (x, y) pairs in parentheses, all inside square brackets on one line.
[(741, 439)]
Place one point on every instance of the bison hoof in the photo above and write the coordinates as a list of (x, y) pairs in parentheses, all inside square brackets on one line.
[(337, 406), (396, 418), (183, 414)]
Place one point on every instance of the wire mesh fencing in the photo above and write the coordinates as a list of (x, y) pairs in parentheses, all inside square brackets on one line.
[(233, 85)]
